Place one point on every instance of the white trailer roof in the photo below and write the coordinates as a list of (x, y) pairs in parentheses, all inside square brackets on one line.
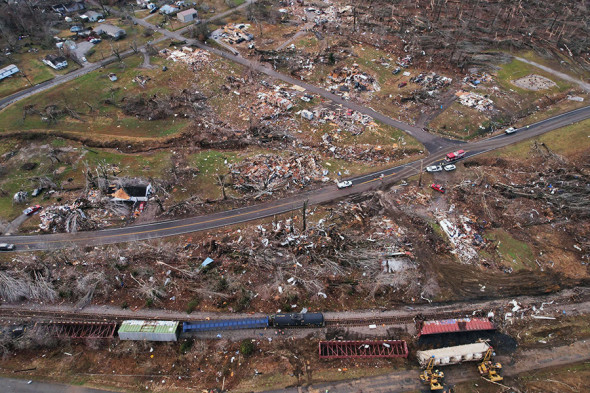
[(448, 352)]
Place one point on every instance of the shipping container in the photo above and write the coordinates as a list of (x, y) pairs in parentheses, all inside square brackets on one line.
[(148, 330), (227, 324)]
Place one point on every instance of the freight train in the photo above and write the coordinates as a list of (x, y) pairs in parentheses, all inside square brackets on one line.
[(277, 321)]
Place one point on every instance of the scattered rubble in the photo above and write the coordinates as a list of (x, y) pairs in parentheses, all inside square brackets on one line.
[(265, 173), (195, 58), (474, 100), (534, 82), (344, 80)]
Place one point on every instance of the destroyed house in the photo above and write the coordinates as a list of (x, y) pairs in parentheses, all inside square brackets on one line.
[(135, 193), (68, 8)]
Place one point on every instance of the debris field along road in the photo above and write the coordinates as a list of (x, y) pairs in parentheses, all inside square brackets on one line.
[(431, 142), (407, 380), (330, 193)]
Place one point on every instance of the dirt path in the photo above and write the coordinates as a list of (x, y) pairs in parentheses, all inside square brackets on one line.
[(146, 59), (12, 228), (582, 84), (407, 380), (304, 30)]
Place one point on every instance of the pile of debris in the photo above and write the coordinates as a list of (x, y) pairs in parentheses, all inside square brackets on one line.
[(195, 58), (351, 121), (67, 218), (187, 104), (476, 101), (432, 81), (265, 173), (476, 79), (404, 62), (346, 79), (464, 238), (236, 33), (358, 152)]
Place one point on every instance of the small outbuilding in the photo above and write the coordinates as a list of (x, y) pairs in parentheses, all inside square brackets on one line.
[(187, 15), (148, 330)]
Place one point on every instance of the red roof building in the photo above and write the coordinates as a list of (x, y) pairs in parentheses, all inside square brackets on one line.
[(455, 326)]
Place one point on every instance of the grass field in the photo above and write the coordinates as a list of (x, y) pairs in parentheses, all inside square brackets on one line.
[(33, 71), (92, 90), (570, 141)]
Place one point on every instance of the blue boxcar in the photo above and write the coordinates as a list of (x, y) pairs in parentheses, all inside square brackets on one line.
[(226, 324)]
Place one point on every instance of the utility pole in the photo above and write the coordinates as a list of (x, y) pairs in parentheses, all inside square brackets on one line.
[(304, 213), (421, 166)]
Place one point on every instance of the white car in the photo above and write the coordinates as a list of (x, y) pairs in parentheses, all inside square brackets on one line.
[(434, 168), (344, 184), (449, 167), (6, 247), (510, 130)]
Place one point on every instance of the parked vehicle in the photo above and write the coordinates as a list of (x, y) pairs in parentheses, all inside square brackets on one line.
[(510, 130), (6, 247), (29, 211), (434, 168), (402, 84), (438, 187), (456, 155), (449, 167), (344, 184)]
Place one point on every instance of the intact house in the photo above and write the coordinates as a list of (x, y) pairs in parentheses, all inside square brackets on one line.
[(56, 62), (91, 16), (168, 9), (187, 15), (8, 71), (110, 30), (131, 193)]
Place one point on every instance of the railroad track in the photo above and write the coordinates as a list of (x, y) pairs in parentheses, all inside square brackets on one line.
[(46, 316), (14, 315)]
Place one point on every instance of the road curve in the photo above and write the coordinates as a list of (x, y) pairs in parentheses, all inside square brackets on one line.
[(325, 194)]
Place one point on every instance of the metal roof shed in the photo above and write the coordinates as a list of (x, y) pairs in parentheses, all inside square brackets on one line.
[(148, 330)]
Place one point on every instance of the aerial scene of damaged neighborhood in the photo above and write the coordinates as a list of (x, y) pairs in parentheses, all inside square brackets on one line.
[(294, 196)]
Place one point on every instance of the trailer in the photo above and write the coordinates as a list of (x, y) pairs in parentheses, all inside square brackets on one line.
[(225, 324), (453, 355)]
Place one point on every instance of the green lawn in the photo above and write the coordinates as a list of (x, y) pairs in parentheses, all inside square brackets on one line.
[(514, 253), (572, 140), (93, 90)]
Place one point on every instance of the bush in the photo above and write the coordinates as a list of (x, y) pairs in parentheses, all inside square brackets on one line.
[(186, 346), (247, 347), (192, 305)]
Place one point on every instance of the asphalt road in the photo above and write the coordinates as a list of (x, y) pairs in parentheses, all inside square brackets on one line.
[(329, 193), (10, 385)]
